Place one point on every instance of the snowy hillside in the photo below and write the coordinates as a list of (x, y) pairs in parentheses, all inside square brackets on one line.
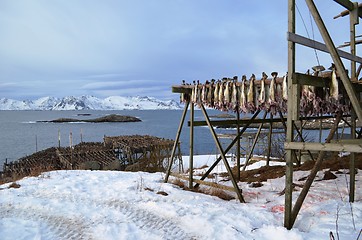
[(88, 102), (125, 205)]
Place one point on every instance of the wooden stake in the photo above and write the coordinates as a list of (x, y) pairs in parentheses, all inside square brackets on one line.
[(191, 159), (176, 140)]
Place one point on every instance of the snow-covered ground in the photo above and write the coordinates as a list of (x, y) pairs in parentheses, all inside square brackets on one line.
[(125, 205)]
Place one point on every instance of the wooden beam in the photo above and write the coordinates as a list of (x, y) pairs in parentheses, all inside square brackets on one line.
[(332, 147), (320, 46), (310, 80), (201, 182), (176, 141), (346, 4), (222, 153)]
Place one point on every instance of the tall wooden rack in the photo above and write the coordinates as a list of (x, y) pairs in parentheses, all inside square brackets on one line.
[(293, 120), (294, 84)]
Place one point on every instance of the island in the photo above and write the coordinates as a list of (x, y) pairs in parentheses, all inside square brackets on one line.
[(108, 118)]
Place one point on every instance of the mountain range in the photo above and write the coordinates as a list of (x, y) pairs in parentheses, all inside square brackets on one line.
[(87, 102)]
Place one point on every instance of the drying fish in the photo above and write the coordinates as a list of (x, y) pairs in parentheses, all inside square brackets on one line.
[(227, 94), (333, 88), (210, 94), (285, 87), (216, 94), (272, 104), (262, 95), (234, 97), (242, 95), (221, 96), (251, 103)]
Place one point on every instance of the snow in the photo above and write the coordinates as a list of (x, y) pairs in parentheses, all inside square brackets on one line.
[(89, 102), (125, 205)]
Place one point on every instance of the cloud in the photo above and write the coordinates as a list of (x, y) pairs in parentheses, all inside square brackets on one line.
[(104, 47)]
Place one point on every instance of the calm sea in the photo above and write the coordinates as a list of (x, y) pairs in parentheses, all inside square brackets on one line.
[(22, 135)]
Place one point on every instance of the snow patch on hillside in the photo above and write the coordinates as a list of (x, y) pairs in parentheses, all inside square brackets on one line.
[(87, 102)]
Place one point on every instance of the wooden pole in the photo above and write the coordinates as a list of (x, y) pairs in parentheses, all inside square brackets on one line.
[(58, 138), (292, 115), (228, 148), (191, 159), (36, 143), (313, 173), (354, 20), (176, 140), (254, 143), (222, 154), (269, 139), (238, 145)]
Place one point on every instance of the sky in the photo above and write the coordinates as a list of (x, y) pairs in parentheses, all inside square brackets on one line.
[(141, 48)]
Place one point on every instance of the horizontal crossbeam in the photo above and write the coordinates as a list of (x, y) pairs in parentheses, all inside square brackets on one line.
[(332, 147)]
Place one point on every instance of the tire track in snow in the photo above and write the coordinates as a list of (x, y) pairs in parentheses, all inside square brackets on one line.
[(58, 226), (145, 220)]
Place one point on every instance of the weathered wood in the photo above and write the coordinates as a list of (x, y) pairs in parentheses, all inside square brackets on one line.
[(228, 148), (312, 175), (201, 182), (292, 116), (332, 147), (227, 166), (178, 134), (350, 6), (191, 157), (320, 46)]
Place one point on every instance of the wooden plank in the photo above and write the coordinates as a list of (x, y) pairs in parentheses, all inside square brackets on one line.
[(201, 182), (311, 80), (332, 147), (293, 37), (181, 89), (347, 4)]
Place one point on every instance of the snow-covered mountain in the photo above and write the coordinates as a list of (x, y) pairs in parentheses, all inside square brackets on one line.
[(89, 103)]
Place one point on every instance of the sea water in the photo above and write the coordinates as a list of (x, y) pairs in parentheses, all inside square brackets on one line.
[(22, 134)]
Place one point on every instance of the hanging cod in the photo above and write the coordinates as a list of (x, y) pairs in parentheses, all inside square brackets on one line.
[(271, 95)]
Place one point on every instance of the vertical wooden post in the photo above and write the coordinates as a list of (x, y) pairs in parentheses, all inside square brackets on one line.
[(353, 21), (290, 117), (58, 138), (191, 160), (238, 146), (175, 144), (269, 139), (81, 135), (36, 143)]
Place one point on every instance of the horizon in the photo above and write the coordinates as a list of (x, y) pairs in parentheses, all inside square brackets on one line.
[(64, 48)]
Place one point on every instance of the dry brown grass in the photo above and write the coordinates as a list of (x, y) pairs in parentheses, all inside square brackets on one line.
[(14, 185), (220, 194)]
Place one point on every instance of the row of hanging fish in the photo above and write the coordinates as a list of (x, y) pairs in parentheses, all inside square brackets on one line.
[(324, 100), (250, 95)]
